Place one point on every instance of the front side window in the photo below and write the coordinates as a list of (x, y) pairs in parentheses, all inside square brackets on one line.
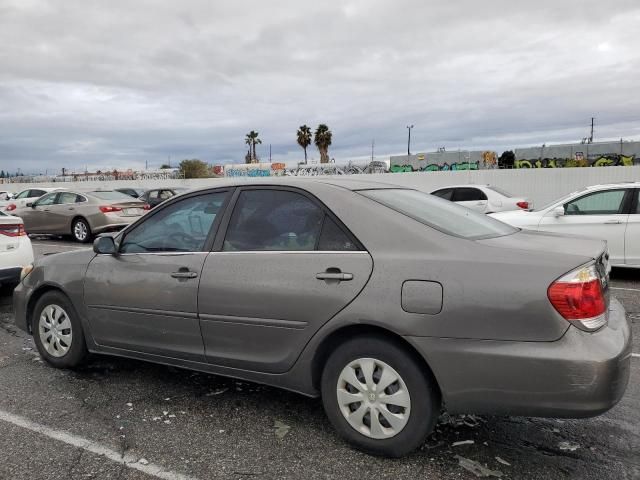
[(46, 200), (437, 213), (23, 194), (273, 220), (468, 195), (598, 203), (181, 227), (446, 193)]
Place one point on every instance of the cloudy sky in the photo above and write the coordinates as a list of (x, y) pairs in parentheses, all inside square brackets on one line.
[(107, 84)]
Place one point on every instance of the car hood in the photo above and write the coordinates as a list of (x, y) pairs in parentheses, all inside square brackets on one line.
[(574, 248), (76, 258), (518, 218)]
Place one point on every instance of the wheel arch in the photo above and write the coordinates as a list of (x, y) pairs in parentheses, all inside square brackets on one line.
[(80, 217), (37, 295), (340, 335)]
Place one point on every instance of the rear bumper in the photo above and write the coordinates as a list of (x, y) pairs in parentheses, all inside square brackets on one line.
[(580, 375)]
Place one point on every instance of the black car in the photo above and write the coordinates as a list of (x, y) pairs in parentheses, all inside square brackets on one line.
[(156, 196)]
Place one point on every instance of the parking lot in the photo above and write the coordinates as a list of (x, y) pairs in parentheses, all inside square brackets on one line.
[(126, 419)]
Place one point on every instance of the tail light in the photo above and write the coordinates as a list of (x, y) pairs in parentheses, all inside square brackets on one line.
[(109, 208), (10, 208), (523, 205), (146, 206), (581, 298), (13, 230)]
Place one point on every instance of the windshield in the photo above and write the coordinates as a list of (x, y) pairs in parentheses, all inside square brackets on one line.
[(440, 214), (110, 195), (557, 200), (502, 192)]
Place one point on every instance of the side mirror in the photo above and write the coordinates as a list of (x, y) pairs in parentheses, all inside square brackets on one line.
[(31, 204), (558, 212), (104, 246)]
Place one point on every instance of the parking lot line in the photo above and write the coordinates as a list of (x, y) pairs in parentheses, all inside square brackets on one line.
[(637, 355), (128, 460)]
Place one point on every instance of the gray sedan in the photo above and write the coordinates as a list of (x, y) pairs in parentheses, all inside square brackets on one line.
[(389, 303), (80, 214)]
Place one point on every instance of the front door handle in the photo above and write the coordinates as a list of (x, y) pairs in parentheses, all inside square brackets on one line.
[(613, 222), (334, 274), (184, 273)]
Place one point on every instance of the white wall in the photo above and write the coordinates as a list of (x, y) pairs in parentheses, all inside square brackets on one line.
[(540, 185)]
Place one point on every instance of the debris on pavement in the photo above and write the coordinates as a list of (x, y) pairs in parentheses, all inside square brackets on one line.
[(569, 446), (503, 461), (476, 468), (281, 428), (143, 461), (218, 391), (462, 442)]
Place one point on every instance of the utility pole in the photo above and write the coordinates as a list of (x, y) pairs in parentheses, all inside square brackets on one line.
[(269, 153), (373, 143), (409, 127), (591, 136)]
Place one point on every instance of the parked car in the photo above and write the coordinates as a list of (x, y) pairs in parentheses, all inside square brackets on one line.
[(26, 196), (387, 302), (16, 251), (156, 196), (132, 192), (608, 212), (81, 214), (5, 195), (483, 198)]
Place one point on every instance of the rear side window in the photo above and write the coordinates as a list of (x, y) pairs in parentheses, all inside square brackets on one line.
[(67, 197), (446, 193), (273, 220), (439, 214), (333, 238), (468, 195)]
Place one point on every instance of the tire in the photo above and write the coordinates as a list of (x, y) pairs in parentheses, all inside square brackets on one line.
[(81, 231), (413, 421), (66, 347)]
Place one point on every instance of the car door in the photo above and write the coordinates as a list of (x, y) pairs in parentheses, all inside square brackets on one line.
[(37, 217), (632, 233), (61, 213), (145, 297), (600, 214), (472, 198), (283, 267)]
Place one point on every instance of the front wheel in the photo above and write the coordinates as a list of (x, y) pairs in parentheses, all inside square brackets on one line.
[(378, 397), (57, 331), (81, 230)]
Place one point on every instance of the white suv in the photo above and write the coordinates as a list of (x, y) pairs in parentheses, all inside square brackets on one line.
[(608, 212)]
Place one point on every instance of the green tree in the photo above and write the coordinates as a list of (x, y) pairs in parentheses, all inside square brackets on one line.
[(323, 141), (164, 165), (304, 137), (252, 140), (2, 174), (194, 168), (507, 159)]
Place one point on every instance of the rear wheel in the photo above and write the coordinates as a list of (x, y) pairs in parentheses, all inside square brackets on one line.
[(81, 231), (57, 331), (378, 397)]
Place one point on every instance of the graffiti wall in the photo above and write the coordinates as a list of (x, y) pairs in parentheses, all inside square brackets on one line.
[(281, 169), (444, 161)]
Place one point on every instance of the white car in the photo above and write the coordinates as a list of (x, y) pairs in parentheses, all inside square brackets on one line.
[(26, 196), (483, 198), (16, 251), (607, 212)]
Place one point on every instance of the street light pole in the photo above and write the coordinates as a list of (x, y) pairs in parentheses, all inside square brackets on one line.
[(409, 127)]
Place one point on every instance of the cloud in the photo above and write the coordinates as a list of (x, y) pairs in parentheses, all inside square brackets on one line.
[(118, 84)]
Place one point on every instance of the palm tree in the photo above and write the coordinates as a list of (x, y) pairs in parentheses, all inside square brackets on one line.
[(252, 140), (304, 139), (323, 141)]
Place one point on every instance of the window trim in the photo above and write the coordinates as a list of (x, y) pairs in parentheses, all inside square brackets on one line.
[(224, 226), (625, 203), (211, 235)]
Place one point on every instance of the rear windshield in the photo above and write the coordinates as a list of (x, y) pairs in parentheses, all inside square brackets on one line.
[(502, 192), (109, 195), (440, 214)]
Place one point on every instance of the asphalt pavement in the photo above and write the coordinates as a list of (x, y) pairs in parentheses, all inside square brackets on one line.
[(124, 419)]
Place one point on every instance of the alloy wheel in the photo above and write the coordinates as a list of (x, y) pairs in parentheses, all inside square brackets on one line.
[(54, 328), (373, 398), (80, 230)]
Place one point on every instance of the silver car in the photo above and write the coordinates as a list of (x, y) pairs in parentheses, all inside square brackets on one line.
[(389, 303), (80, 214)]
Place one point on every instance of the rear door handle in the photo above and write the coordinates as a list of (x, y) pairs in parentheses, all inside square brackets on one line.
[(339, 276), (184, 274), (613, 222)]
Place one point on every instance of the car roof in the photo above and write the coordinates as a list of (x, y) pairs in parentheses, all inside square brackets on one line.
[(468, 185), (605, 186), (346, 183)]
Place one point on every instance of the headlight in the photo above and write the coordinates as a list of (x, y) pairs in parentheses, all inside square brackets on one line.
[(25, 272)]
